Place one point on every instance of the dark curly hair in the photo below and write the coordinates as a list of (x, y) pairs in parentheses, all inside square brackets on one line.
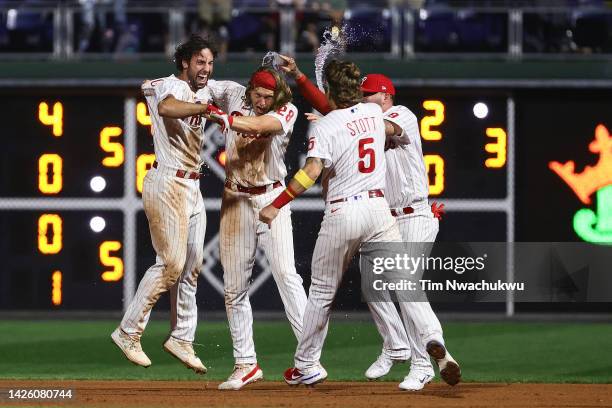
[(343, 80), (282, 93), (193, 45)]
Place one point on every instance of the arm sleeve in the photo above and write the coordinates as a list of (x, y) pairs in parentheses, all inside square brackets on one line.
[(319, 146), (286, 115), (313, 95), (221, 92), (407, 121), (164, 88)]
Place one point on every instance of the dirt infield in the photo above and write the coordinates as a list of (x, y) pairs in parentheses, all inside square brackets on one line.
[(330, 394)]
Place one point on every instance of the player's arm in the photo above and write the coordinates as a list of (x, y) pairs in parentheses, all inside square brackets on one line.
[(256, 124), (309, 91), (302, 181), (173, 108)]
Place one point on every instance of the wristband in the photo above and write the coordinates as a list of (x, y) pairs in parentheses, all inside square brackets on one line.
[(303, 178)]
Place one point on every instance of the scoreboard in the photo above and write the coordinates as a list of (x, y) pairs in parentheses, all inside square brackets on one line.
[(73, 234)]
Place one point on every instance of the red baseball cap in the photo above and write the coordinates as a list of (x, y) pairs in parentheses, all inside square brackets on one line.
[(374, 83)]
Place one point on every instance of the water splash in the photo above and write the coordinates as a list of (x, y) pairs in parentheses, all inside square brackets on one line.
[(272, 60), (332, 47)]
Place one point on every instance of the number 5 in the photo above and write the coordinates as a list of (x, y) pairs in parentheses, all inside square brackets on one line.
[(363, 152)]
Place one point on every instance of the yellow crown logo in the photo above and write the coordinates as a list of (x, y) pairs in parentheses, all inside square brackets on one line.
[(592, 178)]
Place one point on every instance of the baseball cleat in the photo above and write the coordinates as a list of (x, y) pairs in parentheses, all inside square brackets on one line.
[(449, 368), (310, 376), (416, 380), (243, 374), (183, 351), (381, 367), (130, 345)]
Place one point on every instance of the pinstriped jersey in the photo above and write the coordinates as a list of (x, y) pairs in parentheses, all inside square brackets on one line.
[(351, 143), (177, 142), (252, 160), (406, 176)]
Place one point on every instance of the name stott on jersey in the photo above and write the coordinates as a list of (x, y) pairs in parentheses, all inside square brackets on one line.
[(177, 142), (406, 175), (252, 160), (351, 143)]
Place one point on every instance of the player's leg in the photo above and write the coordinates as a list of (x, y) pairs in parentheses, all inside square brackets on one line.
[(277, 243), (395, 340), (339, 238), (421, 322), (165, 206), (183, 305), (238, 243)]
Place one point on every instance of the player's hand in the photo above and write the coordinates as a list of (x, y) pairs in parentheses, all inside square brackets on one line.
[(217, 115), (437, 210), (312, 117), (268, 214), (391, 143), (290, 67)]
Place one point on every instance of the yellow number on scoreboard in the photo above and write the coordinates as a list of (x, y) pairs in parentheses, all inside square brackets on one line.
[(56, 182), (499, 147), (114, 262), (53, 245), (143, 164), (437, 187), (116, 148), (55, 119), (56, 288), (434, 120), (141, 114)]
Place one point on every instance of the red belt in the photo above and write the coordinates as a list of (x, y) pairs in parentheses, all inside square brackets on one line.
[(402, 211), (251, 190), (193, 175), (371, 194)]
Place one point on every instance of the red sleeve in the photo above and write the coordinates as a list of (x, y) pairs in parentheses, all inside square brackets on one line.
[(313, 94)]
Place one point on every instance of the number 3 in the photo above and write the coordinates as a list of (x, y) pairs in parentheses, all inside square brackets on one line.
[(363, 152)]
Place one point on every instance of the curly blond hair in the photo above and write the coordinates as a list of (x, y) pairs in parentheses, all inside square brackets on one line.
[(344, 83)]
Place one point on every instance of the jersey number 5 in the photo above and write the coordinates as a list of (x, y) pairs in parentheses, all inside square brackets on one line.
[(366, 152)]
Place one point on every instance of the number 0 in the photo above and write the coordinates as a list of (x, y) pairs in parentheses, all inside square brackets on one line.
[(55, 185), (437, 187), (54, 245)]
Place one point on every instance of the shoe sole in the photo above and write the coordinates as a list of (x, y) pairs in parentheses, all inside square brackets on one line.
[(451, 374), (195, 369), (126, 356), (310, 384)]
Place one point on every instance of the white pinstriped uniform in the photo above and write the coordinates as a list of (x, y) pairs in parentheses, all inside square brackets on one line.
[(255, 161), (407, 187), (351, 144), (176, 215)]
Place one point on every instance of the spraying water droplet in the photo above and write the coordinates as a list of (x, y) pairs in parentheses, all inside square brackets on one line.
[(332, 47)]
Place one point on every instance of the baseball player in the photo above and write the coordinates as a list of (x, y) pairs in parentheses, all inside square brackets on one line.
[(174, 206), (407, 192), (259, 123), (347, 145)]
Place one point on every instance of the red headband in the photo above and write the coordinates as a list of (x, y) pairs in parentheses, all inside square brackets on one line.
[(263, 79)]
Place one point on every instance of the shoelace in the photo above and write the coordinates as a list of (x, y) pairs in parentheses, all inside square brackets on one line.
[(240, 371), (133, 344)]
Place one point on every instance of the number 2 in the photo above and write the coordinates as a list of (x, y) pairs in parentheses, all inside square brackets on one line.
[(363, 152), (281, 111)]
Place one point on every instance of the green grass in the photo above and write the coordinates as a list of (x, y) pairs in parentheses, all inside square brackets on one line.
[(489, 352)]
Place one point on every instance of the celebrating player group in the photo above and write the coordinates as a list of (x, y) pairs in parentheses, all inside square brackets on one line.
[(367, 151)]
